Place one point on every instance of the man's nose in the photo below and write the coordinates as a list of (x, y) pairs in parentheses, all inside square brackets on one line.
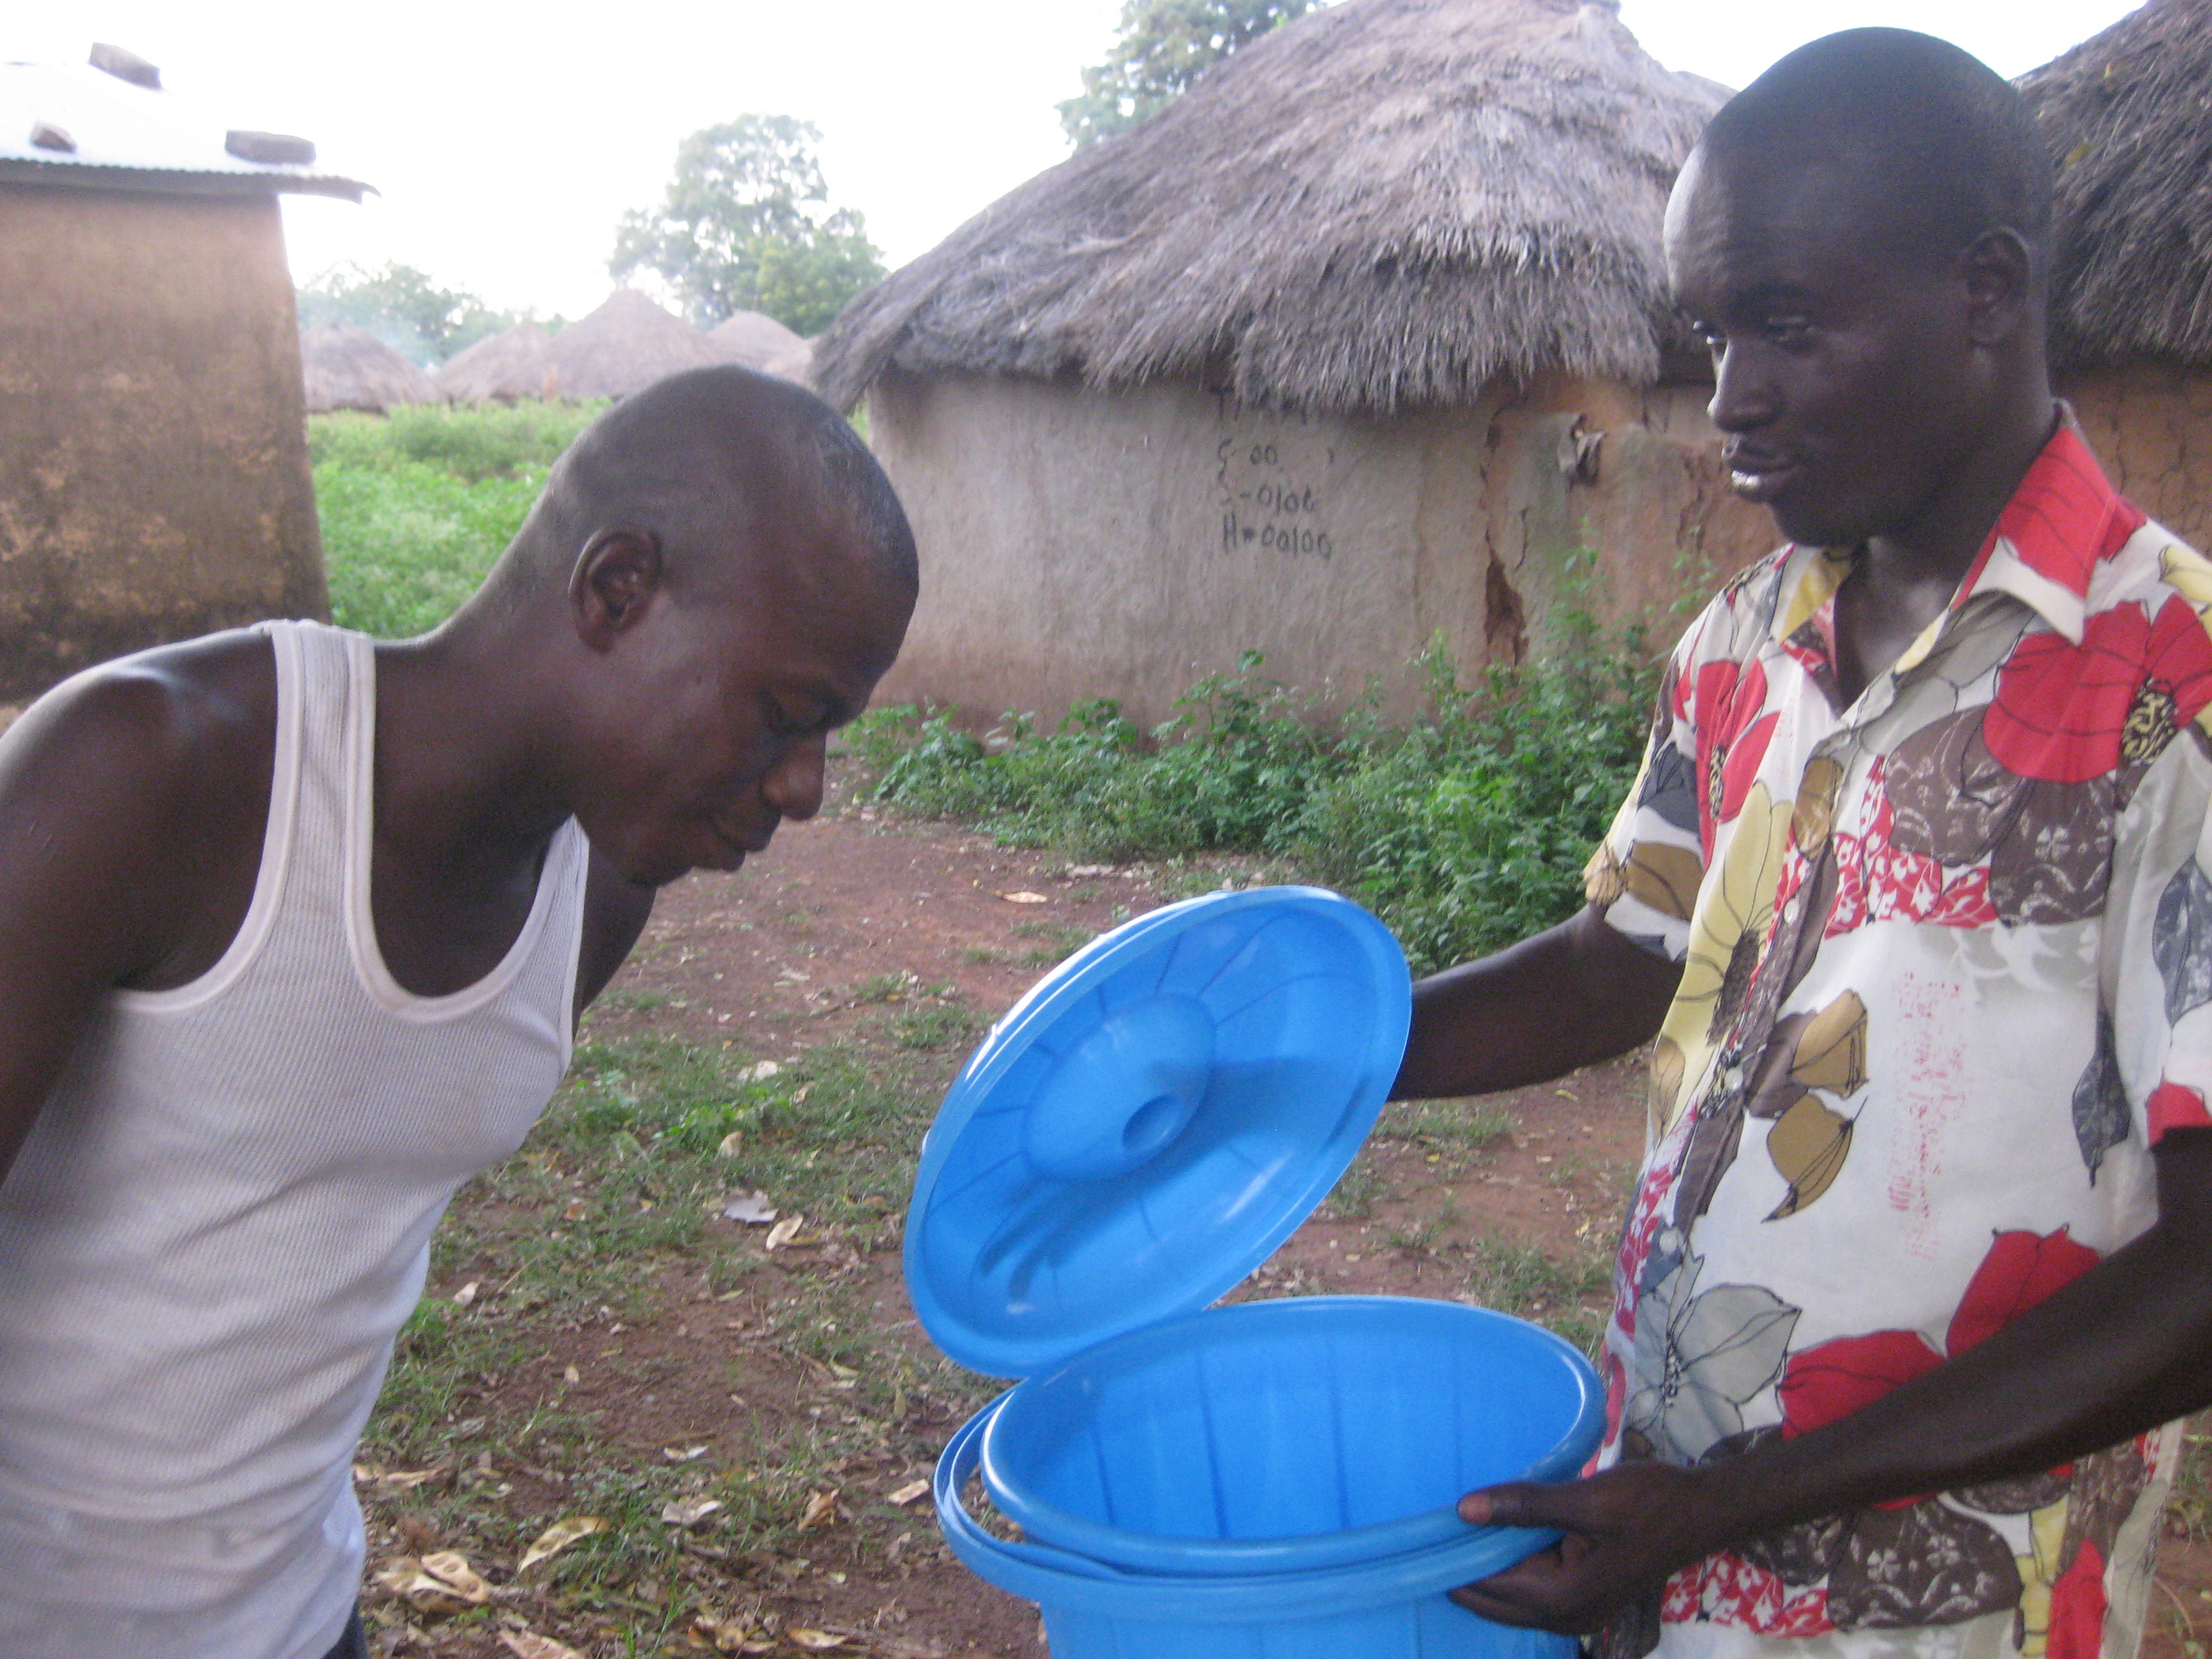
[(1743, 390), (793, 783)]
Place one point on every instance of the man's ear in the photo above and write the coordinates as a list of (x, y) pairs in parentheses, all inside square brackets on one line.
[(613, 585), (2000, 282)]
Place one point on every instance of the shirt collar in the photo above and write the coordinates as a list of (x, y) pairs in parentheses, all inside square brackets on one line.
[(2061, 522)]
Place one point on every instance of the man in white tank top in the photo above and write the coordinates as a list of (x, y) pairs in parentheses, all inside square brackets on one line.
[(293, 929)]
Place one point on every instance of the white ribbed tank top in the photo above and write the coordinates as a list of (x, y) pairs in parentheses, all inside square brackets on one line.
[(222, 1216)]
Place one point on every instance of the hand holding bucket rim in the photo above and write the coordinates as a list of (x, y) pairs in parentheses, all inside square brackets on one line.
[(1625, 1528)]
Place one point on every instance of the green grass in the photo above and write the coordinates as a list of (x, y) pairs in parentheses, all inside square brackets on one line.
[(415, 507), (1466, 829), (1570, 1297)]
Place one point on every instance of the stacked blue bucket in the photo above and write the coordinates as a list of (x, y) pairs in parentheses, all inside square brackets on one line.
[(1269, 1480)]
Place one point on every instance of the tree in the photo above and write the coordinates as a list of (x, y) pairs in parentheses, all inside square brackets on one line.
[(1164, 45), (402, 307), (746, 225)]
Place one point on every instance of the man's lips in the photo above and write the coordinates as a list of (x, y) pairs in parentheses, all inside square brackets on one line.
[(1757, 476)]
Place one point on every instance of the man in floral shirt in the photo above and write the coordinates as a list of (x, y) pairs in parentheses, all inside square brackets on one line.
[(1915, 891)]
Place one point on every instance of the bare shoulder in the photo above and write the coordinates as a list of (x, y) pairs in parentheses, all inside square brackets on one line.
[(128, 788), (204, 703)]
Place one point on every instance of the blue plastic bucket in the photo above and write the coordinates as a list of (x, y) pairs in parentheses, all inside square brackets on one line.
[(1289, 1436), (1393, 1608)]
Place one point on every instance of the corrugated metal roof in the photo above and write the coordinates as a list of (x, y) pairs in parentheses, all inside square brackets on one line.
[(74, 125)]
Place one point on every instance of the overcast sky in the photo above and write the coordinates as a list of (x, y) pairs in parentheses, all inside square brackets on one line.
[(506, 144)]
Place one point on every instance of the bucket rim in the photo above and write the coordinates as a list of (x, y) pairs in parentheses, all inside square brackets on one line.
[(1062, 1579), (1164, 1554)]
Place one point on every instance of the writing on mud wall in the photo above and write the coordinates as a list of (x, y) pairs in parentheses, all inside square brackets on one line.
[(1271, 482)]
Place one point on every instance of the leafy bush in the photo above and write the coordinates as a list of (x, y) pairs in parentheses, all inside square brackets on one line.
[(1466, 830), (416, 506)]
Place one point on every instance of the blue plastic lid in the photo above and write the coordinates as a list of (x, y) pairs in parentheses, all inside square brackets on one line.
[(1151, 1120)]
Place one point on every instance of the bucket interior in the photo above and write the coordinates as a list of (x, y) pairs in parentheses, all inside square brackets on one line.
[(1352, 1423)]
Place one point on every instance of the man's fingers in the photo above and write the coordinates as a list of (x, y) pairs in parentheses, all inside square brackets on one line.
[(1515, 1503), (1496, 1609)]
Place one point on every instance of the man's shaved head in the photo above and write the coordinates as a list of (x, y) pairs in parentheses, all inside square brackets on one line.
[(721, 465), (1941, 149)]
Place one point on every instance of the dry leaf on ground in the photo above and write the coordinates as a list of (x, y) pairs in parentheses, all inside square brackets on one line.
[(731, 1144), (557, 1537), (821, 1510), (465, 1295), (913, 1489), (760, 1071), (443, 1582), (727, 1636), (785, 1230), (688, 1511), (754, 1210), (529, 1644), (1025, 898), (817, 1641), (401, 1479)]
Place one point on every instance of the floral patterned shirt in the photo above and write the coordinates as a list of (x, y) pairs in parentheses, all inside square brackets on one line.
[(1946, 978)]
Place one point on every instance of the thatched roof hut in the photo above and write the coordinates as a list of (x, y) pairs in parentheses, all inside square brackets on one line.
[(1384, 205), (1362, 339), (348, 367), (2129, 114), (515, 362), (624, 346), (752, 339), (794, 363)]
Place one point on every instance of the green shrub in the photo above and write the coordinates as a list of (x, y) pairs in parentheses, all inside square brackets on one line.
[(488, 441), (1466, 830), (416, 506)]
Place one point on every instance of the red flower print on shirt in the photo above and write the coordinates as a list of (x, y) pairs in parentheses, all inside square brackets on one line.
[(1722, 701), (1833, 1379), (2067, 713), (2077, 1608), (2171, 1106)]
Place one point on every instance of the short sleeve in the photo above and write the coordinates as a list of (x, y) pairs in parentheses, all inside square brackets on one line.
[(1645, 876), (2155, 1041)]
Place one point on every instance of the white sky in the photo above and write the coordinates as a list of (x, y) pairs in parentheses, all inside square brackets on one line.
[(508, 139)]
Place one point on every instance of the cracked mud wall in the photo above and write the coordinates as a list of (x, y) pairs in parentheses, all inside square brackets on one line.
[(2151, 426), (154, 477), (1078, 545)]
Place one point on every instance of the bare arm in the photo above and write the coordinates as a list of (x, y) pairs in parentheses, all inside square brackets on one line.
[(1568, 997), (615, 910), (131, 804), (2125, 1347)]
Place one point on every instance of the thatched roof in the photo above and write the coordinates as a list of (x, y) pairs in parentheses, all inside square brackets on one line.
[(515, 362), (2129, 114), (794, 363), (1385, 203), (752, 339), (624, 346), (342, 367)]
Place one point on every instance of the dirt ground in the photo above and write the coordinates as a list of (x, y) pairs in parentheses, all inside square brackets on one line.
[(768, 960)]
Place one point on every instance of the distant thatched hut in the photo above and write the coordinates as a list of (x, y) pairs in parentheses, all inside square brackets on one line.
[(752, 339), (2128, 118), (515, 363), (624, 346), (1361, 341), (794, 363), (154, 477), (342, 367)]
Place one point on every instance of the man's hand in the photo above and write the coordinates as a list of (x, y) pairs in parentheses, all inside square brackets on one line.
[(1626, 1529)]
